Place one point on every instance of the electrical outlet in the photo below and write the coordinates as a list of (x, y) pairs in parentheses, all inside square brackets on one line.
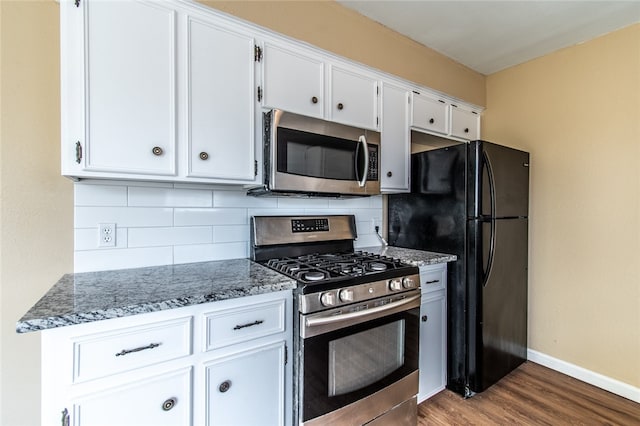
[(106, 235)]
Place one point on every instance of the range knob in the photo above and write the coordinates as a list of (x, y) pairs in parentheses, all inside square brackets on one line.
[(328, 299), (408, 282), (395, 284), (346, 295)]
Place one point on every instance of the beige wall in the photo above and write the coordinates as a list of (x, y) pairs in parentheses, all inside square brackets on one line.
[(578, 112), (36, 216), (332, 27)]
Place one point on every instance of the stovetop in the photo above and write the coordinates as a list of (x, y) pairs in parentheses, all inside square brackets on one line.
[(323, 271)]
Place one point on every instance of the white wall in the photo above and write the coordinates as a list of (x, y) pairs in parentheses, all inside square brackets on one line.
[(164, 224)]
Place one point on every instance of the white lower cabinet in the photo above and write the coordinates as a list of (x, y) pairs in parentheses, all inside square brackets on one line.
[(247, 388), (433, 327), (221, 363)]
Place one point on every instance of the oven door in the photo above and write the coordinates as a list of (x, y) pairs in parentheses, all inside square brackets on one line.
[(311, 155), (373, 348)]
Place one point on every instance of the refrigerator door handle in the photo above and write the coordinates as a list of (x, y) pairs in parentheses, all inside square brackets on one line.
[(492, 201)]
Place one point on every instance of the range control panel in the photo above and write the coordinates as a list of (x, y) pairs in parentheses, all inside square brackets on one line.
[(310, 225)]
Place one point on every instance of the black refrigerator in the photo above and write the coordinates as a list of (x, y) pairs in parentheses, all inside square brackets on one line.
[(472, 200)]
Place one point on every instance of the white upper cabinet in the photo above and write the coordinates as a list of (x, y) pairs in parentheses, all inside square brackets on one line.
[(395, 143), (156, 91), (220, 102), (125, 103), (464, 124), (293, 81), (354, 98), (430, 114)]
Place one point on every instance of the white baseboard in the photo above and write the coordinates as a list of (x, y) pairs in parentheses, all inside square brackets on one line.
[(596, 379)]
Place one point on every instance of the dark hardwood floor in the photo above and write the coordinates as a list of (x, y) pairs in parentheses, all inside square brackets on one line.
[(531, 395)]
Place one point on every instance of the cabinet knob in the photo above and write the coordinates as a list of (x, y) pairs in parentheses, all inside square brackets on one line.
[(169, 404), (224, 386), (340, 106), (314, 100), (204, 155), (425, 318), (431, 121), (466, 130), (157, 151), (389, 174)]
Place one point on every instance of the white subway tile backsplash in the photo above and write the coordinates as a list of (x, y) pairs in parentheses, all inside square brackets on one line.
[(90, 217), (230, 233), (241, 199), (100, 260), (100, 195), (164, 223), (171, 236), (206, 252), (212, 216), (169, 197), (87, 239)]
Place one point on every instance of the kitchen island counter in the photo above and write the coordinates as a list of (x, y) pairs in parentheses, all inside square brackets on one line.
[(411, 256), (93, 296)]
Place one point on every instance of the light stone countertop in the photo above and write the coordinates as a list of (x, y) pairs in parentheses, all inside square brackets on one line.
[(93, 296)]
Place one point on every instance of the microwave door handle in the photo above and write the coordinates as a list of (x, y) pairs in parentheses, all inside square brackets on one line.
[(363, 140)]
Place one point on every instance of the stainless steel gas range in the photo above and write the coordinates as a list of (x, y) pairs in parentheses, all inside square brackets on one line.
[(357, 321)]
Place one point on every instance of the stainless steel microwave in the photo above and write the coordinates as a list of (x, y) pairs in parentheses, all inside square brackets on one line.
[(309, 156)]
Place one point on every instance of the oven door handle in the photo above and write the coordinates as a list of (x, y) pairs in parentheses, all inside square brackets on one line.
[(359, 316)]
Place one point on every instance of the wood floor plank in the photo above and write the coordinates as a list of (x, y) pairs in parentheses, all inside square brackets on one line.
[(531, 395)]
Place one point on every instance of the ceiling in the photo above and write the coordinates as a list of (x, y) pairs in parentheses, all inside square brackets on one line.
[(488, 36)]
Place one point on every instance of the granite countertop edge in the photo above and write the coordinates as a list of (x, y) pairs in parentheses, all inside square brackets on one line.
[(93, 296)]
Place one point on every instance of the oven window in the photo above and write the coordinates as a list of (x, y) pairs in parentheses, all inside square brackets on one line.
[(351, 368)]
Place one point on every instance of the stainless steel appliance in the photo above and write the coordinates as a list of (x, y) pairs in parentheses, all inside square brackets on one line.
[(473, 200), (309, 156), (357, 322)]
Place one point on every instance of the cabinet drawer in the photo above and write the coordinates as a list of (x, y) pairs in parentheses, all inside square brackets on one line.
[(237, 325), (433, 278), (104, 354)]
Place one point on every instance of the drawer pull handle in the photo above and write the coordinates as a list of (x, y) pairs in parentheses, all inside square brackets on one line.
[(141, 348), (224, 386), (169, 404), (433, 281), (251, 324)]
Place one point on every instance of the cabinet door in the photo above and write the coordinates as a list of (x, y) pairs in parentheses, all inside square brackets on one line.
[(158, 401), (292, 81), (354, 99), (464, 124), (432, 347), (247, 388), (395, 144), (429, 114), (221, 102), (130, 83)]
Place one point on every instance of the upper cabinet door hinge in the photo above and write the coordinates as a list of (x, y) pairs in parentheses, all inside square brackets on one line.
[(259, 94), (286, 354), (257, 53), (78, 152), (377, 90), (255, 167)]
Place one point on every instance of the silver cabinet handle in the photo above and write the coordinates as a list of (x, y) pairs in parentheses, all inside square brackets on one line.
[(251, 324), (65, 418), (141, 348), (432, 281)]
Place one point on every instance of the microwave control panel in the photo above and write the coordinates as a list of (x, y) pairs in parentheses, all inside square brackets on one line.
[(372, 174)]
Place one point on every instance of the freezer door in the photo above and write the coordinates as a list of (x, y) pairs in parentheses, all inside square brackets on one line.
[(498, 181), (497, 280)]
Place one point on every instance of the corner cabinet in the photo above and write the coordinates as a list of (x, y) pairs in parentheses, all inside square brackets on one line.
[(437, 115), (433, 331), (186, 366), (170, 95)]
